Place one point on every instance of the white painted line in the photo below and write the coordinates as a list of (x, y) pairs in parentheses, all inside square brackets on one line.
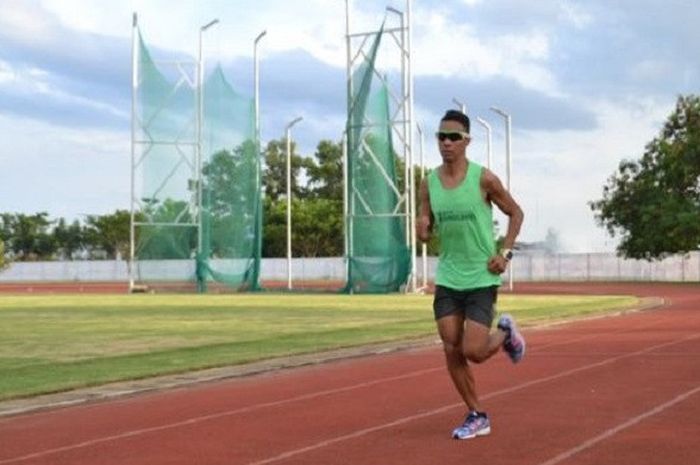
[(227, 413), (363, 432), (612, 431), (200, 419)]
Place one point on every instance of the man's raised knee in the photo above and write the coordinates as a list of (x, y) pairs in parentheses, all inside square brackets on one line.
[(476, 355)]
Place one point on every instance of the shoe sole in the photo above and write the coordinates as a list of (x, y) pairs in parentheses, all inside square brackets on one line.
[(481, 432)]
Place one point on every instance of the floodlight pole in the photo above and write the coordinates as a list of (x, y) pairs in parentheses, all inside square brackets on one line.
[(405, 126), (487, 127), (256, 77), (258, 148), (134, 92), (200, 120), (507, 118), (462, 106), (409, 137), (288, 132), (409, 169), (424, 246)]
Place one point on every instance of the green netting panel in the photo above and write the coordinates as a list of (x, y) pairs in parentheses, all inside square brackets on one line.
[(379, 258), (165, 171), (178, 236), (231, 194)]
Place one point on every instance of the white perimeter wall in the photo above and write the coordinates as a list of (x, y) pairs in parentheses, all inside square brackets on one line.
[(526, 267)]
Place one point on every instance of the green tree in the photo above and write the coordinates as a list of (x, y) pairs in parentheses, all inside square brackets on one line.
[(231, 201), (654, 203), (317, 228), (3, 260), (275, 173), (325, 171), (69, 238), (275, 238), (28, 237), (110, 233)]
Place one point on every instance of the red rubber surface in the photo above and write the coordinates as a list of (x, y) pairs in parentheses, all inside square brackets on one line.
[(615, 390)]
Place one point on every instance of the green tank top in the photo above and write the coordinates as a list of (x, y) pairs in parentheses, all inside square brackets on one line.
[(464, 224)]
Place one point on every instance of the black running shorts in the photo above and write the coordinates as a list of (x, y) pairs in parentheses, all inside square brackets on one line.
[(475, 304)]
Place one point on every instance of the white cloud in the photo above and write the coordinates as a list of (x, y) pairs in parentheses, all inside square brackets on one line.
[(66, 172), (575, 14), (555, 175), (7, 73), (21, 21), (448, 48)]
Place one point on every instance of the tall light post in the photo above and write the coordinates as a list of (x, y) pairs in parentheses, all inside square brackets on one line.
[(200, 120), (462, 106), (407, 90), (258, 154), (256, 77), (288, 133), (424, 246), (507, 118), (486, 126)]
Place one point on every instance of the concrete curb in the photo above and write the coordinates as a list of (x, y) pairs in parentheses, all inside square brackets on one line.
[(130, 388)]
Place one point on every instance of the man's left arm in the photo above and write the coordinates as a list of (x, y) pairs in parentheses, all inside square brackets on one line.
[(496, 193)]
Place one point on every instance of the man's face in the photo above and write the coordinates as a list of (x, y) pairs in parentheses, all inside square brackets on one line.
[(450, 149)]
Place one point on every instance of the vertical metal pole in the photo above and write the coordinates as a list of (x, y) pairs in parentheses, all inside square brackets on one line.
[(258, 150), (404, 113), (256, 76), (508, 153), (412, 169), (134, 93), (407, 134), (508, 172), (487, 127), (345, 203), (289, 209), (288, 132), (462, 106), (507, 118), (347, 188), (200, 111), (200, 157), (424, 246)]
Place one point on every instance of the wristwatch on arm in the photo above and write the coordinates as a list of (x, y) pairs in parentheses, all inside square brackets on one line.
[(507, 254)]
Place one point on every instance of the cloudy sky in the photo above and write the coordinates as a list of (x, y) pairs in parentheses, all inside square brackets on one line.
[(588, 83)]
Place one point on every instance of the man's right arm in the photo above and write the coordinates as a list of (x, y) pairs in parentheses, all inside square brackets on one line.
[(424, 222)]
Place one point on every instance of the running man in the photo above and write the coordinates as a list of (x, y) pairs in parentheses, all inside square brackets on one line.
[(456, 199)]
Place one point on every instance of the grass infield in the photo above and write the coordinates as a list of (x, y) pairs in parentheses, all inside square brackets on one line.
[(56, 343)]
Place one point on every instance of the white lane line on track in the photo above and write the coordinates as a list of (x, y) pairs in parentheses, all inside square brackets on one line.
[(227, 413), (613, 431), (358, 433), (195, 420)]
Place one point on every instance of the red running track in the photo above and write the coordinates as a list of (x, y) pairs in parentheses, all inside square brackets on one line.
[(618, 390)]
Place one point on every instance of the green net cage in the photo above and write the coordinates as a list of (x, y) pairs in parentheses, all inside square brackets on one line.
[(196, 179), (378, 255)]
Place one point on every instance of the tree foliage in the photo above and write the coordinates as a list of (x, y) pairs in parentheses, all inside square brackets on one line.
[(275, 174), (317, 213), (3, 261), (317, 206), (110, 233), (653, 203), (28, 237)]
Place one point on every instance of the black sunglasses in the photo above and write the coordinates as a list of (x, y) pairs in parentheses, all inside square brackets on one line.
[(453, 136)]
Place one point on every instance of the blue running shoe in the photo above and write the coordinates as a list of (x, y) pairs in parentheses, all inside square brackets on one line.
[(514, 343), (475, 424)]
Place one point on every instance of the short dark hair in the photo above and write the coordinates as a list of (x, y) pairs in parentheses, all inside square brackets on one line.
[(455, 115)]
